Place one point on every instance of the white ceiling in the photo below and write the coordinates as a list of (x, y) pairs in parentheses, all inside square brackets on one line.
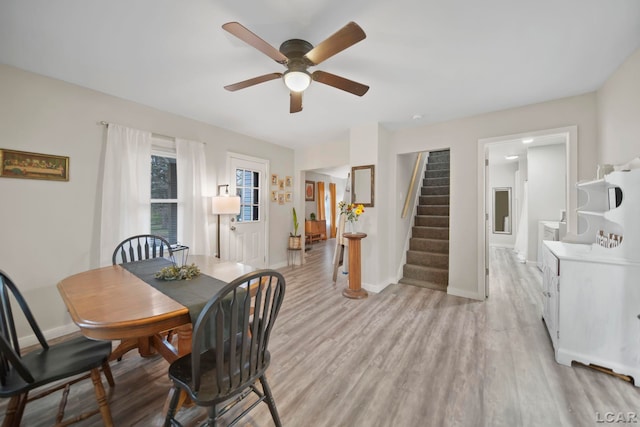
[(498, 151), (439, 59)]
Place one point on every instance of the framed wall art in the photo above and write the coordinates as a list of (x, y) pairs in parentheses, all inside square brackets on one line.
[(309, 191), (21, 164)]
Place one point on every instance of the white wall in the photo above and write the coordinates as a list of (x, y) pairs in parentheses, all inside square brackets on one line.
[(51, 229), (503, 176), (619, 114), (547, 195), (462, 137), (403, 172)]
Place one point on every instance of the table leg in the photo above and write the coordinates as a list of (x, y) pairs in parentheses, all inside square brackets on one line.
[(185, 334), (143, 345)]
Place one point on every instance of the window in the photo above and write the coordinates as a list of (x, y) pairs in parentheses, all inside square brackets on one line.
[(248, 188), (164, 196)]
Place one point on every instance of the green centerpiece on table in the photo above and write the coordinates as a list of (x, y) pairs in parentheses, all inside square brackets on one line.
[(173, 272)]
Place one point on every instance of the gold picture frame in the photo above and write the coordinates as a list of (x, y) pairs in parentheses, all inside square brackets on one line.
[(22, 164)]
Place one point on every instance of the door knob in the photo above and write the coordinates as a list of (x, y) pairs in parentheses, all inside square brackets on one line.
[(233, 228)]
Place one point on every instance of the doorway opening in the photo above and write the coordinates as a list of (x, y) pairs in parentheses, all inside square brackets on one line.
[(534, 174)]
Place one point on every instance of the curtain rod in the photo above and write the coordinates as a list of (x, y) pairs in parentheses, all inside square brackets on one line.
[(157, 135)]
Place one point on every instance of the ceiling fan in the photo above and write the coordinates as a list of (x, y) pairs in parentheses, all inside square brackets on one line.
[(298, 55)]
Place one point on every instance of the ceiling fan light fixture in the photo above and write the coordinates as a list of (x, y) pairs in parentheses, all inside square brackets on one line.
[(297, 81)]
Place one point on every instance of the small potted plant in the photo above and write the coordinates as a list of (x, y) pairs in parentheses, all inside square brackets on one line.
[(294, 238), (312, 216)]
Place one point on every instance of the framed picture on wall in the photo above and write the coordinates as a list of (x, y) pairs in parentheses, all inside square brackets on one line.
[(288, 197), (20, 164), (309, 191), (280, 198), (288, 181), (274, 195), (274, 179)]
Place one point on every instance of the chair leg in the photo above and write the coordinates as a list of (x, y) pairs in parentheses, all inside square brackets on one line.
[(213, 416), (171, 409), (270, 402), (15, 409), (103, 405), (106, 370)]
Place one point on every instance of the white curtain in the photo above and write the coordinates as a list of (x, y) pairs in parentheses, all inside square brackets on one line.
[(126, 188), (191, 172), (522, 236)]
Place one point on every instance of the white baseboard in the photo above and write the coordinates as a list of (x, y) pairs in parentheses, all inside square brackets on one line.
[(501, 245), (280, 265), (49, 334), (464, 293), (376, 289)]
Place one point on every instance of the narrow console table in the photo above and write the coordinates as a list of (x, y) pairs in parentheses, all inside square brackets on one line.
[(355, 279)]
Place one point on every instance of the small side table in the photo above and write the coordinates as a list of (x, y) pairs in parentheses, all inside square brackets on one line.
[(291, 256), (354, 290)]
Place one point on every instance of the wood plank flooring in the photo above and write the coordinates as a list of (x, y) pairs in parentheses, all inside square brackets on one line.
[(405, 357)]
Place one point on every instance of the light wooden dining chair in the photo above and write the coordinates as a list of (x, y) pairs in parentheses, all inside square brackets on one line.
[(72, 360), (229, 350)]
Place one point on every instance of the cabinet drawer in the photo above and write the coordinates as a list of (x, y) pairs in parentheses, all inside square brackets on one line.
[(550, 261)]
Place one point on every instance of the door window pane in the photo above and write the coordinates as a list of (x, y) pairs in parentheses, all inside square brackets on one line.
[(248, 188)]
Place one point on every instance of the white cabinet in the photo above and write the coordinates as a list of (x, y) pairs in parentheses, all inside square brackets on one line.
[(547, 230), (550, 289), (591, 291), (591, 308)]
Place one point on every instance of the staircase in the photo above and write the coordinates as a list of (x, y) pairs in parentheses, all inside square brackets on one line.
[(428, 255)]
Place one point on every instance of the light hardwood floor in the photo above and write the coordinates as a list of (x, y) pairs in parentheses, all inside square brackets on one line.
[(405, 357)]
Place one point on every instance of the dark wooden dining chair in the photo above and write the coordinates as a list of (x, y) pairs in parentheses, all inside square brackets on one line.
[(140, 247), (229, 352), (73, 360)]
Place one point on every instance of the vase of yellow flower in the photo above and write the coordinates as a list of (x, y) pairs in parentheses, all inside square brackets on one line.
[(352, 212)]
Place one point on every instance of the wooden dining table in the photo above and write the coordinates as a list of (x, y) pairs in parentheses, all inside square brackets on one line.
[(111, 303)]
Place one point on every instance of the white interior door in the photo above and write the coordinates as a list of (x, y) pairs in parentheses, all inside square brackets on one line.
[(248, 230)]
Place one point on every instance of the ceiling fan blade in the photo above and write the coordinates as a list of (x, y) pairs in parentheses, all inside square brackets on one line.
[(345, 37), (340, 83), (253, 81), (251, 39), (296, 102)]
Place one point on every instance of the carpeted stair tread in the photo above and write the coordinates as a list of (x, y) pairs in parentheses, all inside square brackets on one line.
[(423, 284), (428, 259), (429, 274), (429, 245), (441, 233)]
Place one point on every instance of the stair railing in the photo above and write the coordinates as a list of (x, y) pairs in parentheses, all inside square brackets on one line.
[(411, 191)]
